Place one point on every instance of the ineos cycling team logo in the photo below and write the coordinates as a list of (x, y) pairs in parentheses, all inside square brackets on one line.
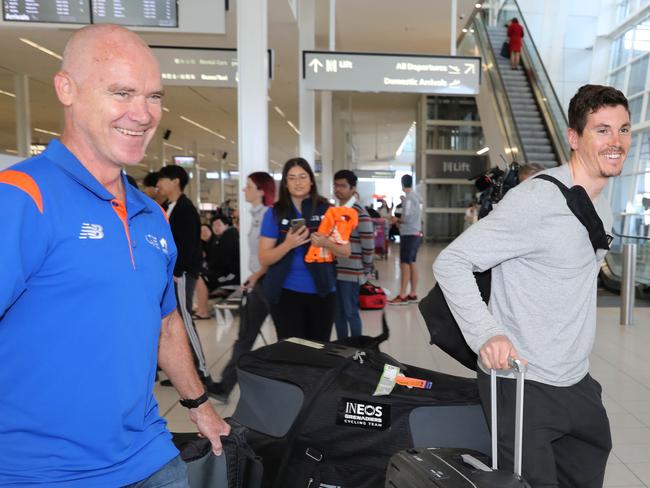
[(364, 414)]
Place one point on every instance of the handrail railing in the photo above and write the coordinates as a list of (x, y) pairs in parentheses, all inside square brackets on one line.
[(642, 263), (642, 238)]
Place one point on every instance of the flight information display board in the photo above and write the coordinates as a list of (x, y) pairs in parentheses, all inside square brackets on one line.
[(52, 11), (140, 13)]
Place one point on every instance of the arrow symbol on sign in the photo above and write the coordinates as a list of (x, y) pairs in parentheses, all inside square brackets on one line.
[(454, 83), (455, 70), (470, 68), (315, 63)]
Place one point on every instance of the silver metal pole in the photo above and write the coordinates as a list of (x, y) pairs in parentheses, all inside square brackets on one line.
[(628, 287), (454, 27), (23, 116)]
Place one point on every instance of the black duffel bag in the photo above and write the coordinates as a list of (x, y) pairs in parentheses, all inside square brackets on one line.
[(313, 419)]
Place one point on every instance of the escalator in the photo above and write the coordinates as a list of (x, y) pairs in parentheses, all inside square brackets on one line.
[(531, 121), (536, 143)]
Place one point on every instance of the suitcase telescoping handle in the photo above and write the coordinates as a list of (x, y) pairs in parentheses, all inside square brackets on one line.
[(520, 372)]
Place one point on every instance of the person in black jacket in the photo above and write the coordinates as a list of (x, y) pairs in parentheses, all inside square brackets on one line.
[(186, 227), (222, 264)]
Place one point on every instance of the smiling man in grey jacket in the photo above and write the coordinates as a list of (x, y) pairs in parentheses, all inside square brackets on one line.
[(542, 306)]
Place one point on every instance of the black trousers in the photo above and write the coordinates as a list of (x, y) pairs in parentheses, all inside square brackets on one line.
[(304, 315), (251, 318), (566, 438)]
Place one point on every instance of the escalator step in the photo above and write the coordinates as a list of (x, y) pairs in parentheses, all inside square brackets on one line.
[(531, 156), (535, 141), (530, 148)]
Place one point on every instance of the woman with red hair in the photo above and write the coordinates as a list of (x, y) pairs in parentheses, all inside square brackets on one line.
[(260, 193)]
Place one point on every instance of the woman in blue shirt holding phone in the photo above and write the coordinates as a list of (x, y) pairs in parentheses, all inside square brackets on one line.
[(300, 294)]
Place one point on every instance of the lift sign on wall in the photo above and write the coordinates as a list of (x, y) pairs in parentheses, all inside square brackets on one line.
[(376, 72)]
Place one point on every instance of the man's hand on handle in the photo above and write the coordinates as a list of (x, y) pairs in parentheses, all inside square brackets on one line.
[(495, 352), (210, 425)]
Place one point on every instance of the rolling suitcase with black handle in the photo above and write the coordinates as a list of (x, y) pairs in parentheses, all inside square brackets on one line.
[(462, 468)]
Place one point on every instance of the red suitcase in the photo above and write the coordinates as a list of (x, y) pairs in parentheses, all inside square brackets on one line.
[(371, 297)]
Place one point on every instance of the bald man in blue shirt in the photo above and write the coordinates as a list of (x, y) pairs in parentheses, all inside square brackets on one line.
[(87, 305)]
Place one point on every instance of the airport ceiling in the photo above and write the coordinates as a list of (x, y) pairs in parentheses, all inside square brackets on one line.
[(378, 123)]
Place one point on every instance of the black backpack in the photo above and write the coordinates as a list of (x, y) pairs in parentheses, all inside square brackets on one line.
[(442, 326)]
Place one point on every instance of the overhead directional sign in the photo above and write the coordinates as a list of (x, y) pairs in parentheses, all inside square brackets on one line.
[(214, 67), (376, 72)]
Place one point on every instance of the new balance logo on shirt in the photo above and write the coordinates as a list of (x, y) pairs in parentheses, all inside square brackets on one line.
[(91, 231)]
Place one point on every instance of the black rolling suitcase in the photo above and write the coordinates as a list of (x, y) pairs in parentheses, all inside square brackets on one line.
[(461, 468)]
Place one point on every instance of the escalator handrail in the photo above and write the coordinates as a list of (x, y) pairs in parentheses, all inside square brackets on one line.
[(518, 144), (625, 236)]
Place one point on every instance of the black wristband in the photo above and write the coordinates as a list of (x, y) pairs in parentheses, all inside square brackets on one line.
[(193, 403)]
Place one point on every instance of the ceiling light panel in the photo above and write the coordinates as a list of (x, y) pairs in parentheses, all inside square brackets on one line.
[(43, 131), (202, 127), (35, 45)]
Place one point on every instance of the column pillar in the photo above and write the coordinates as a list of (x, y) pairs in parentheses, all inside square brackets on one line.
[(197, 176), (252, 107), (454, 27), (326, 138), (306, 98), (23, 116)]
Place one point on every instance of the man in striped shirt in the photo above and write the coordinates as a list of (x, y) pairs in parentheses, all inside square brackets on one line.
[(352, 271)]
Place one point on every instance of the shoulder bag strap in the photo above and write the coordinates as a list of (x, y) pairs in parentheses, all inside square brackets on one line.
[(583, 208)]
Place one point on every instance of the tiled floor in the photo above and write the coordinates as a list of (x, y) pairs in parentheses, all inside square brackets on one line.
[(619, 361)]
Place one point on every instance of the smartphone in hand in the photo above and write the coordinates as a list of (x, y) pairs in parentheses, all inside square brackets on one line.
[(296, 224)]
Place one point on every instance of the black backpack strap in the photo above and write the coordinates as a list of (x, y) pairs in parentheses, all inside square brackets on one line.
[(583, 208)]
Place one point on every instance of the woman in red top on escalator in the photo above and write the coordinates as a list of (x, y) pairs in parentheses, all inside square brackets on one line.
[(515, 34)]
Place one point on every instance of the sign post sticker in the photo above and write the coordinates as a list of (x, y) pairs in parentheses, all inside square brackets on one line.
[(363, 414), (382, 72)]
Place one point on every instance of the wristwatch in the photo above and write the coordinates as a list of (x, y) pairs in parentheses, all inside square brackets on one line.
[(195, 402)]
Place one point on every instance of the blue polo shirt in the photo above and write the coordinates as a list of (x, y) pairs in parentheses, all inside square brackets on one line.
[(299, 278), (84, 284)]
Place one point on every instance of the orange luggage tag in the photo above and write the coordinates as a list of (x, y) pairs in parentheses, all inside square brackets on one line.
[(413, 382)]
